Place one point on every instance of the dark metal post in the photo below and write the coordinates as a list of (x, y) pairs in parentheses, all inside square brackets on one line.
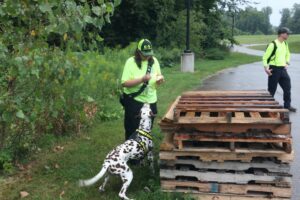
[(188, 7), (188, 57), (232, 27)]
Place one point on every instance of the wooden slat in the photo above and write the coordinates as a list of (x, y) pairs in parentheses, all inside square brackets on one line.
[(226, 93), (269, 166), (255, 115), (225, 177), (223, 120), (226, 155), (204, 115), (233, 98), (207, 196), (284, 129), (199, 106), (190, 114), (200, 187), (239, 115), (170, 113), (198, 137), (233, 110), (191, 101)]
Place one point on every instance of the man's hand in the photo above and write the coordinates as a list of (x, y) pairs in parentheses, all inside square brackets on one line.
[(160, 79), (286, 66), (268, 71), (146, 78)]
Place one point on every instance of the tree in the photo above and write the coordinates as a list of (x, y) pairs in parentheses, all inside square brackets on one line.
[(295, 21), (163, 21), (285, 17), (254, 21)]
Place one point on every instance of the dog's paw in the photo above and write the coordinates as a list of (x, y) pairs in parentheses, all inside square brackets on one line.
[(101, 189)]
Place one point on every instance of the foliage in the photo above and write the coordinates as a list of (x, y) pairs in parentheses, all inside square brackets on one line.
[(254, 21), (168, 57), (6, 162), (291, 18), (164, 22), (217, 53), (286, 18), (39, 76)]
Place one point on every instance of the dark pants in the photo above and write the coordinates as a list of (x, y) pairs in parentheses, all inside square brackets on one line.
[(281, 76), (131, 119)]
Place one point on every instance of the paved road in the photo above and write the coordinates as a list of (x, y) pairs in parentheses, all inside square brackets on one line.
[(252, 76)]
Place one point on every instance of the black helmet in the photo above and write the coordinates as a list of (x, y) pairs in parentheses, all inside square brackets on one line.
[(284, 30)]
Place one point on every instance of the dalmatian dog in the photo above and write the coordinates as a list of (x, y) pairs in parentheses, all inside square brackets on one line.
[(137, 148)]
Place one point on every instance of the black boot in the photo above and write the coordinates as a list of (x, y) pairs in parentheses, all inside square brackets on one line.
[(292, 109)]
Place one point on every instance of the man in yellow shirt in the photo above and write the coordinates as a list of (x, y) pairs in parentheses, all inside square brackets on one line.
[(276, 61)]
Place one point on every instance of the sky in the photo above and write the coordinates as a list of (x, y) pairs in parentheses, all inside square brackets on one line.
[(276, 6)]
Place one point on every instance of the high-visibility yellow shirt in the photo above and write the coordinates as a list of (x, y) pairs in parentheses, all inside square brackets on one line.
[(281, 57), (132, 71)]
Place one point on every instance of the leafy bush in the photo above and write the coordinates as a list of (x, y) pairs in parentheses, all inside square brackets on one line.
[(217, 53), (168, 57), (40, 77), (6, 162)]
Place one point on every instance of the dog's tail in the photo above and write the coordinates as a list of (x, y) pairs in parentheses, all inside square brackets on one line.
[(93, 180)]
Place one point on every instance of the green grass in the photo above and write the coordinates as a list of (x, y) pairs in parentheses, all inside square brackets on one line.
[(263, 39), (83, 155), (294, 47)]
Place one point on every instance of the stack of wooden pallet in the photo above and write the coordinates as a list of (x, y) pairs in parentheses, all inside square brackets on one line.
[(227, 145)]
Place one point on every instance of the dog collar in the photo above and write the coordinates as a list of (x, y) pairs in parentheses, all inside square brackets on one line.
[(144, 133)]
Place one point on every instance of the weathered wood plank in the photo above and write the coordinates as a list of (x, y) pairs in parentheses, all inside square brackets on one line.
[(206, 196), (226, 177), (224, 99), (239, 115), (224, 105), (221, 155), (232, 138), (227, 93), (235, 128), (169, 116), (232, 110), (195, 101), (200, 187), (223, 120), (229, 165)]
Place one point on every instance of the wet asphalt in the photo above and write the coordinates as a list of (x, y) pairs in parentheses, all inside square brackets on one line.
[(251, 77)]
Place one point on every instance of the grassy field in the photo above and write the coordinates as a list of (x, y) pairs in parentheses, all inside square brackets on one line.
[(294, 47), (53, 174), (263, 39)]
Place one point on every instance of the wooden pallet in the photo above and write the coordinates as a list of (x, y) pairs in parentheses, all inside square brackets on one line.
[(226, 177), (229, 107), (203, 187), (221, 155), (232, 197), (247, 140), (266, 165), (233, 128), (227, 115)]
